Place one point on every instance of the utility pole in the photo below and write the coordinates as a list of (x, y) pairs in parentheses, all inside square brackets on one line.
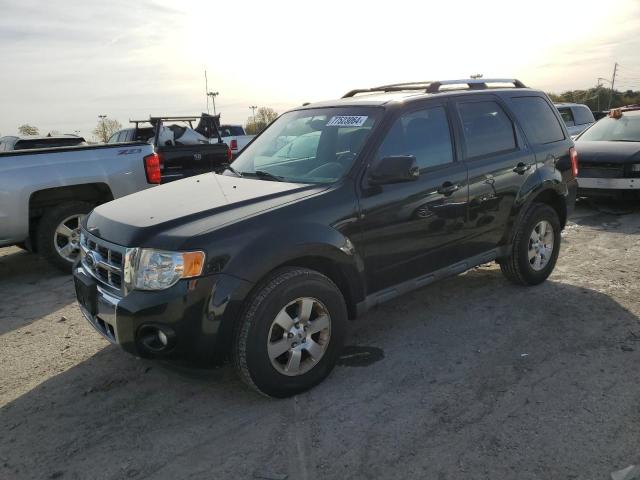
[(213, 96), (613, 81), (253, 109), (206, 89)]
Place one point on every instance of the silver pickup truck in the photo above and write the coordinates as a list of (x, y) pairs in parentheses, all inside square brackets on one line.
[(45, 193)]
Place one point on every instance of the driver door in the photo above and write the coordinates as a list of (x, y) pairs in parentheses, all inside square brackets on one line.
[(410, 229)]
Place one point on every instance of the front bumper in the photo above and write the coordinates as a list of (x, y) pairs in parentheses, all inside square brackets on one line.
[(609, 183), (199, 314)]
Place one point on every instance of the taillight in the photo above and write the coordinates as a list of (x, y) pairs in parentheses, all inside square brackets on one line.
[(152, 168), (573, 155), (229, 154), (233, 144)]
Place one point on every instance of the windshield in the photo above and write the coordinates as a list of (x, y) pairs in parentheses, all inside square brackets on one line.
[(309, 146), (624, 129)]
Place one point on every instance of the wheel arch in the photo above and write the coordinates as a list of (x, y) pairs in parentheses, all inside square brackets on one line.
[(40, 200), (547, 193), (335, 272), (312, 246)]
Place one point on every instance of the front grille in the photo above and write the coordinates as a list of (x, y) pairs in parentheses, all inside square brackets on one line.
[(104, 260), (603, 170)]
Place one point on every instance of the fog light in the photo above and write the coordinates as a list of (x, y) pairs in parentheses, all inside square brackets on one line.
[(156, 338)]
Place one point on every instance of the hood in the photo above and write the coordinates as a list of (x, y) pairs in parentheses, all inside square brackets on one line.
[(607, 152), (185, 208)]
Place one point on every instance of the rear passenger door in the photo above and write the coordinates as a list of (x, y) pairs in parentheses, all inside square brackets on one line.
[(499, 163), (542, 128)]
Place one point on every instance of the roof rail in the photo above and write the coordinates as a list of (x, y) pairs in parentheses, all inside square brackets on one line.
[(434, 86), (474, 83)]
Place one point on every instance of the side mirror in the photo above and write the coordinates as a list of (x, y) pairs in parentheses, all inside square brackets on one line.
[(394, 169)]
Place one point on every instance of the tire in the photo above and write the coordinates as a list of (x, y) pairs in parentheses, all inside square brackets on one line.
[(518, 267), (286, 290), (48, 238)]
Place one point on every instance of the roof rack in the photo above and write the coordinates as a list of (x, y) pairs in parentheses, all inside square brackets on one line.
[(434, 86), (189, 118)]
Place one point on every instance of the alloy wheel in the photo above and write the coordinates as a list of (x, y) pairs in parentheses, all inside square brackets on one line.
[(541, 244), (66, 237), (299, 336)]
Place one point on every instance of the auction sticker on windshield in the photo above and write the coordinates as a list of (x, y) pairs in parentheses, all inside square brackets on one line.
[(347, 121)]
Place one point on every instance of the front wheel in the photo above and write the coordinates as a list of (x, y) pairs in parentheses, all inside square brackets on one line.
[(535, 247), (291, 333)]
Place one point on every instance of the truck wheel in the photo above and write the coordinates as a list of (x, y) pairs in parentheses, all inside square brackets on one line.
[(59, 233), (291, 333), (535, 247)]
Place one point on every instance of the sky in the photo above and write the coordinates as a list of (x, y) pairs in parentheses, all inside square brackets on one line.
[(63, 63)]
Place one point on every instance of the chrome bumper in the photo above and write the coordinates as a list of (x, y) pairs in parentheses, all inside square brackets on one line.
[(610, 183)]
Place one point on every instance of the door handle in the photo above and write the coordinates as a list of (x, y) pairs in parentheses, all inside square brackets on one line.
[(521, 168), (447, 188)]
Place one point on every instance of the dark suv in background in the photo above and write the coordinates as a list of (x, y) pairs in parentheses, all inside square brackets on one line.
[(400, 185)]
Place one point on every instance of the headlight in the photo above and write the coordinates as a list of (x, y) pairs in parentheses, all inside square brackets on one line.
[(148, 269), (635, 167)]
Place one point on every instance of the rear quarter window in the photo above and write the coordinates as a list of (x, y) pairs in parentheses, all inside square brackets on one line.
[(582, 115), (537, 119)]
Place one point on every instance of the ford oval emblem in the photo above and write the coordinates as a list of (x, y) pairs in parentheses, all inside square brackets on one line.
[(91, 260)]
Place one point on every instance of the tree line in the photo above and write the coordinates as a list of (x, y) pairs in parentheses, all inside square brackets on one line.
[(598, 98), (102, 132)]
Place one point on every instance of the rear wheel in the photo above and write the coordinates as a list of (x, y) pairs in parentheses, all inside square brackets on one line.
[(290, 336), (59, 233), (535, 247)]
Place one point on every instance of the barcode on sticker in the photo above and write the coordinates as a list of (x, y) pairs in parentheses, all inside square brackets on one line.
[(347, 121)]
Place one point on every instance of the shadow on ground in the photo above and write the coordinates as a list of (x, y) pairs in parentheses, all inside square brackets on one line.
[(29, 289), (604, 214), (479, 379)]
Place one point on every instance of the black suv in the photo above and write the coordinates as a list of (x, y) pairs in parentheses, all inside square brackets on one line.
[(333, 209)]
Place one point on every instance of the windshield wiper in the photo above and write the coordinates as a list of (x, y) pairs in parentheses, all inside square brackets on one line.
[(268, 176), (228, 166)]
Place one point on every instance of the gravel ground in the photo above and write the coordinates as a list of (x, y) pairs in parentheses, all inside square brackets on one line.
[(468, 378)]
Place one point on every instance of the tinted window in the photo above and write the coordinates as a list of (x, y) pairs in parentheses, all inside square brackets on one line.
[(48, 143), (582, 115), (231, 131), (122, 137), (113, 138), (487, 129), (567, 116), (538, 120), (424, 133)]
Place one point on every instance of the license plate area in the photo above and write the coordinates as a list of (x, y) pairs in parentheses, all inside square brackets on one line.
[(86, 292)]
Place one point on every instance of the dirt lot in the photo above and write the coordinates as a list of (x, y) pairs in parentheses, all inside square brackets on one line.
[(479, 379)]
